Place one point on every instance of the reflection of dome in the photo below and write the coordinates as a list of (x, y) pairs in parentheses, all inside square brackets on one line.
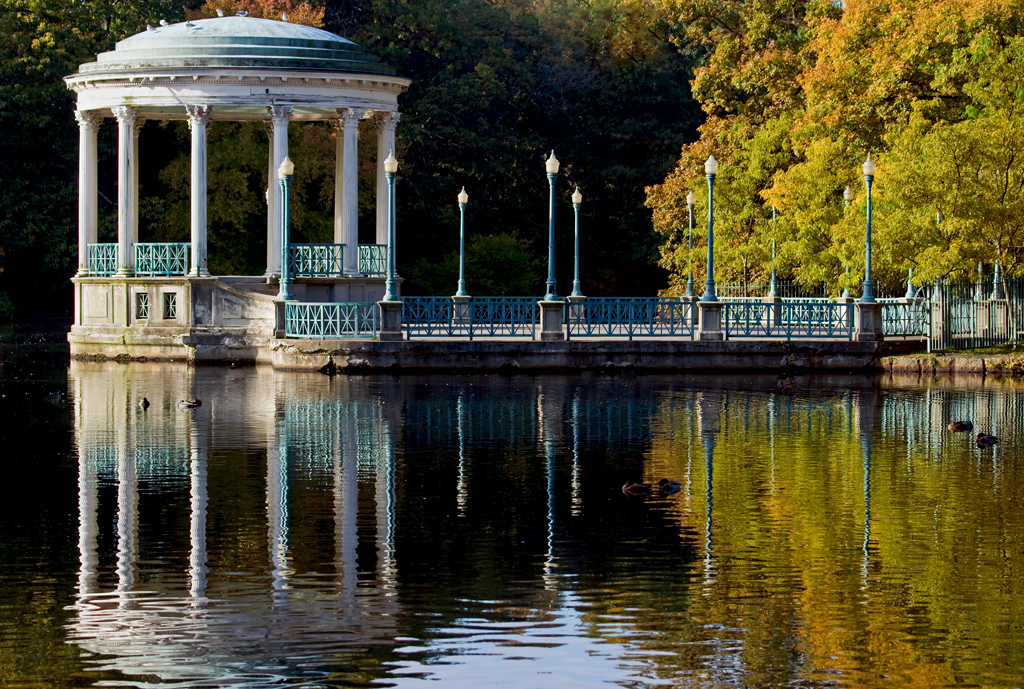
[(233, 42)]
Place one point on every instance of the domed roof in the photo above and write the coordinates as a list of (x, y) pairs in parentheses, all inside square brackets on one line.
[(235, 42)]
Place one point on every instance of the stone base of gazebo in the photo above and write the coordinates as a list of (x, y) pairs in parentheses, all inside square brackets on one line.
[(193, 318)]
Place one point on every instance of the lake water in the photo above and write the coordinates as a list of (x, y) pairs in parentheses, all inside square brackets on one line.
[(301, 530)]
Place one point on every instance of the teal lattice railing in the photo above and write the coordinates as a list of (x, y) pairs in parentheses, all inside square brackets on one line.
[(165, 259)]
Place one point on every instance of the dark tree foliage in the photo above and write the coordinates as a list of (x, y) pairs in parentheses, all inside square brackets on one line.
[(496, 86)]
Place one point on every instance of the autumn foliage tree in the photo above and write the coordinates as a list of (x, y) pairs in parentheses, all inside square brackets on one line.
[(797, 94)]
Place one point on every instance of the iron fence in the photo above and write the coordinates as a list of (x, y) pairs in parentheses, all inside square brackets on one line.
[(788, 319), (373, 259), (476, 317), (162, 258), (630, 317), (102, 259), (789, 289), (905, 317), (309, 260), (966, 315), (327, 321)]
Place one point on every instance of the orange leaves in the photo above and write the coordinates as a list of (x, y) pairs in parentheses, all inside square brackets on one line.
[(300, 13)]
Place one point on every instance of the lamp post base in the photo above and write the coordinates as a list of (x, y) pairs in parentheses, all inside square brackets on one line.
[(551, 317), (390, 321), (868, 322), (710, 327)]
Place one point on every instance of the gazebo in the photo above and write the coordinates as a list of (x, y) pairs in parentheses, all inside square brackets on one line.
[(234, 68)]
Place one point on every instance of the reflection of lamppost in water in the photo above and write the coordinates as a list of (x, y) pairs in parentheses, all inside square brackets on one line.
[(460, 488)]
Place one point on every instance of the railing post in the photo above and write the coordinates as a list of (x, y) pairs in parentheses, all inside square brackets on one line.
[(710, 327), (462, 312), (868, 321), (390, 320), (551, 318), (772, 312), (577, 311)]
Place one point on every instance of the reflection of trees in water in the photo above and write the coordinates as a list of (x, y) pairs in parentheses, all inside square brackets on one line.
[(814, 516)]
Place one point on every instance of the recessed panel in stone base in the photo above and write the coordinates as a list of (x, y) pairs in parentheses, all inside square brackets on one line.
[(96, 304)]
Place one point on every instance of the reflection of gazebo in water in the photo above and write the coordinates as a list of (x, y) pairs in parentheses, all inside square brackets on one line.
[(234, 68)]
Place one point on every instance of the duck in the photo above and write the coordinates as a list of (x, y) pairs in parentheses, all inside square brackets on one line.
[(634, 488), (144, 403), (668, 487), (958, 426), (189, 404), (986, 440)]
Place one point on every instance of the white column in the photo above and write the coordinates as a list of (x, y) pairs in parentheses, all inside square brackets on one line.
[(271, 184), (350, 188), (339, 180), (280, 117), (198, 120), (136, 128), (386, 123), (125, 188), (88, 125)]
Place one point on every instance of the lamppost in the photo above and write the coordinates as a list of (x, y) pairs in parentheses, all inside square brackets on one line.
[(690, 199), (284, 177), (847, 198), (773, 290), (867, 295), (551, 166), (463, 200), (710, 170), (577, 199), (390, 168)]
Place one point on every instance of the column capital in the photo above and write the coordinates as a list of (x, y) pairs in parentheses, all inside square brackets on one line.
[(280, 114), (198, 115), (90, 120), (385, 120), (350, 116), (126, 115)]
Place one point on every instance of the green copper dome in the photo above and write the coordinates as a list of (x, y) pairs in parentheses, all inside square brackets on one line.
[(235, 42)]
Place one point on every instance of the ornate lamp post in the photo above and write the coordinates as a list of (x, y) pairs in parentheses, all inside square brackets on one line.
[(284, 176), (869, 177), (463, 200), (577, 199), (847, 198), (551, 167), (773, 289), (690, 199), (390, 168), (710, 170)]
